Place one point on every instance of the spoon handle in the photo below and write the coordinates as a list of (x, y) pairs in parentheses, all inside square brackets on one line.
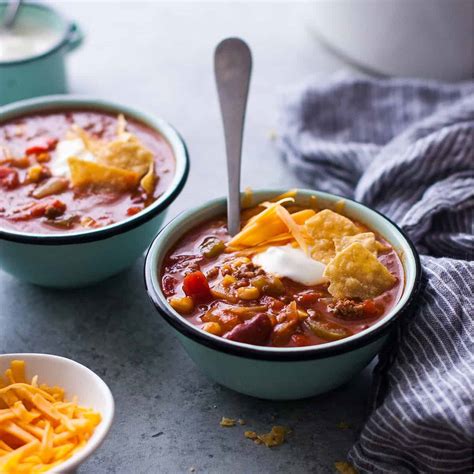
[(232, 69), (11, 11)]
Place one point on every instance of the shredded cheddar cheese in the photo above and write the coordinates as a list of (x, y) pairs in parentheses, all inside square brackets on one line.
[(39, 429), (295, 229), (272, 226)]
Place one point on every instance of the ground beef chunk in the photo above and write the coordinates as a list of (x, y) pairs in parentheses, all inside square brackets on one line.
[(348, 309)]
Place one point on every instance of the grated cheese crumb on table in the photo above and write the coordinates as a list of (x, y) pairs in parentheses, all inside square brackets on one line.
[(275, 437), (227, 422), (345, 468)]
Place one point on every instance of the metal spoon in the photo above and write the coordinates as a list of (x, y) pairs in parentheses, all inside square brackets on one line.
[(11, 12), (232, 69)]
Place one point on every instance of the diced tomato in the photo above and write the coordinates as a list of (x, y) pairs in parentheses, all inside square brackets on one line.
[(131, 211), (300, 340), (195, 285), (50, 209), (8, 177), (275, 304), (37, 210), (308, 298), (42, 146), (372, 309)]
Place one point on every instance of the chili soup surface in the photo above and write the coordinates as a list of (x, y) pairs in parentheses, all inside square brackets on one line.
[(292, 277), (78, 170)]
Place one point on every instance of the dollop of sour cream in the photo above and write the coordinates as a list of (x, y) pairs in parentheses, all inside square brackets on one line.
[(293, 263), (64, 150), (26, 38)]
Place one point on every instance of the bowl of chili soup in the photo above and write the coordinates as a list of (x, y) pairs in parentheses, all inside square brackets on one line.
[(85, 185), (296, 304)]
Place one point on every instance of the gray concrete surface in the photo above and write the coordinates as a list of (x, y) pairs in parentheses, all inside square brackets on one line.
[(159, 57)]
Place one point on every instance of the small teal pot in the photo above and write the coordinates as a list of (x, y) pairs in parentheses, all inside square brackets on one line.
[(43, 74), (82, 258), (272, 372)]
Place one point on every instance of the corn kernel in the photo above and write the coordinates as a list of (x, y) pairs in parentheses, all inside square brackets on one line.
[(248, 293), (240, 261), (302, 313), (34, 173), (228, 280), (213, 328), (259, 282), (182, 305)]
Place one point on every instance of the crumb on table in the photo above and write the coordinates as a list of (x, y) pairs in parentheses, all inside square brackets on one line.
[(345, 468), (227, 422), (275, 437)]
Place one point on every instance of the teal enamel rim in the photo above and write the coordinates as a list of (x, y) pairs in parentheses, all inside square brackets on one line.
[(70, 102), (62, 41), (249, 351)]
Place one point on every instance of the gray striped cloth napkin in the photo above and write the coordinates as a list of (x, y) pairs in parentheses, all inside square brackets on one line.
[(406, 148)]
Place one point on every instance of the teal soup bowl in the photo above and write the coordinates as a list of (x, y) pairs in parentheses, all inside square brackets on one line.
[(73, 259), (33, 52), (281, 373)]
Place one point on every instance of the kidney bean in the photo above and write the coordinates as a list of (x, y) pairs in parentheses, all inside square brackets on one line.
[(254, 331)]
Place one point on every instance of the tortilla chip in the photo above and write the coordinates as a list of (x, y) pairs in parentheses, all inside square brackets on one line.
[(125, 152), (128, 154), (148, 181), (322, 250), (87, 174), (356, 273), (325, 226), (367, 239)]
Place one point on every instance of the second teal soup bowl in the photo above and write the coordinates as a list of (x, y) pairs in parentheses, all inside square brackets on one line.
[(77, 259), (278, 373)]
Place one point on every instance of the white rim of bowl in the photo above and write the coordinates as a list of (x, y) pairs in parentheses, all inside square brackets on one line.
[(104, 426)]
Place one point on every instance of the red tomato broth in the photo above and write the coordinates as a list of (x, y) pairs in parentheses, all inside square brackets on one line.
[(26, 132), (186, 257)]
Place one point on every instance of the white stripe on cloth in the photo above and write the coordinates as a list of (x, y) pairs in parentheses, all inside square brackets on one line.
[(406, 148)]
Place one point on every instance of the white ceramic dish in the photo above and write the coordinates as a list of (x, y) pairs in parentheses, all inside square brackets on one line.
[(430, 39), (78, 380)]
